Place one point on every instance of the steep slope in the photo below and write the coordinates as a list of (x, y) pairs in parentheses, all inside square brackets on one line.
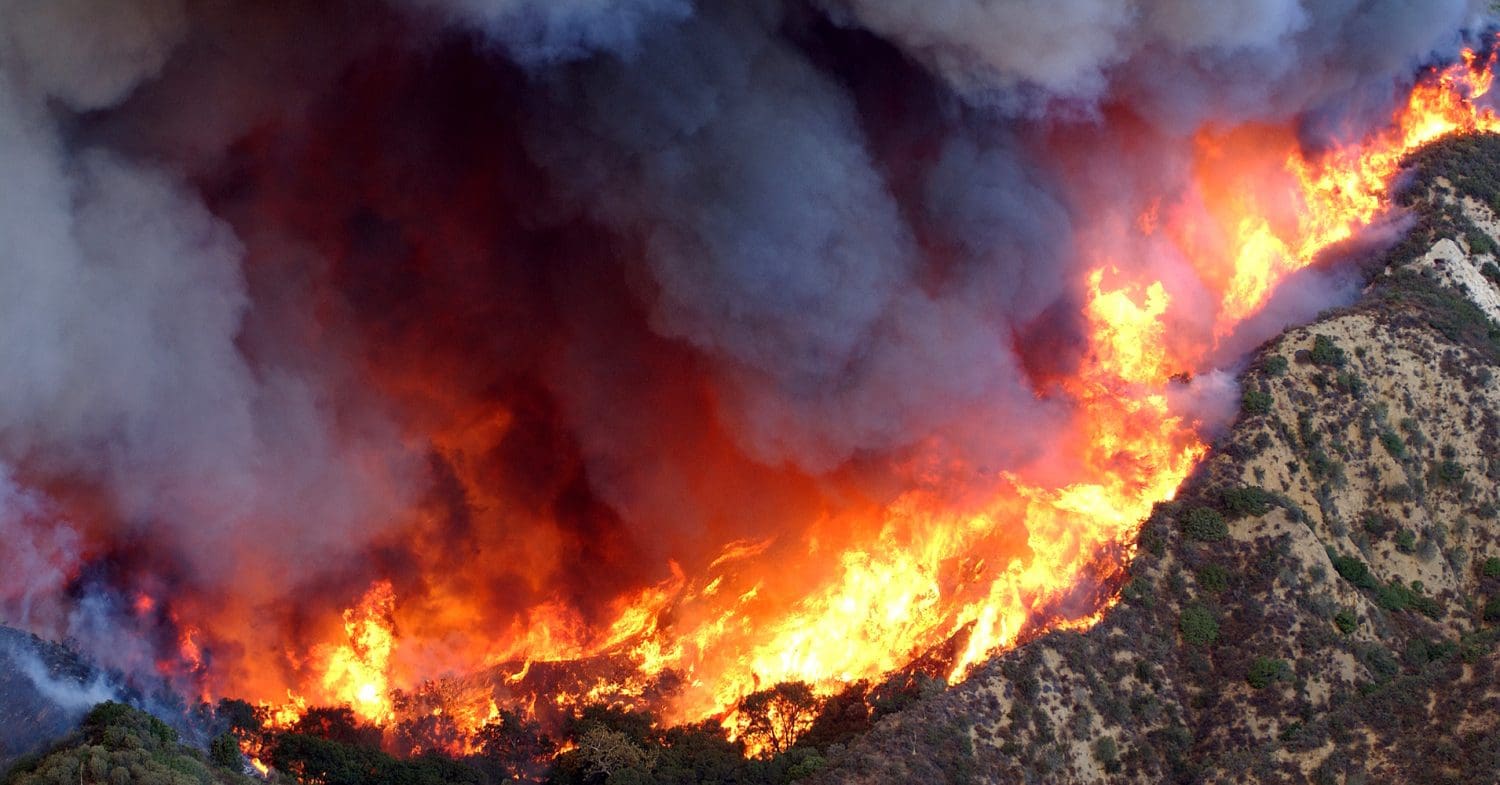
[(122, 745), (44, 690), (1319, 603)]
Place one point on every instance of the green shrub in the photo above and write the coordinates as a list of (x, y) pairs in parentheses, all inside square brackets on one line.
[(1492, 609), (1351, 569), (1247, 500), (1376, 524), (1290, 733), (118, 744), (1322, 467), (1350, 383), (1479, 242), (1397, 596), (1393, 444), (1275, 365), (1204, 524), (1264, 671), (1213, 578), (1140, 591), (1345, 620), (1491, 567), (1105, 750), (1198, 625), (1406, 541), (1326, 353), (1256, 402), (1448, 472), (1398, 492), (1451, 313)]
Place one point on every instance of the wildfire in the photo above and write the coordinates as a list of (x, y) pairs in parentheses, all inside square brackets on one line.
[(1344, 190), (923, 570)]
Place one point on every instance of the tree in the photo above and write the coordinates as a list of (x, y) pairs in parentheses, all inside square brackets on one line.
[(239, 714), (700, 753), (224, 751), (338, 724), (844, 716), (775, 718), (607, 752), (516, 746)]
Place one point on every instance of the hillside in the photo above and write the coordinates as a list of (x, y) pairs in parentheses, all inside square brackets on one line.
[(1320, 602), (120, 745), (44, 690)]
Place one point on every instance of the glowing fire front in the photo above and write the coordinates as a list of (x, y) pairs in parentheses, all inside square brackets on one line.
[(900, 580)]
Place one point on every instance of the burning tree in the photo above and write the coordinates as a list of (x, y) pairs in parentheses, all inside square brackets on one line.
[(775, 718)]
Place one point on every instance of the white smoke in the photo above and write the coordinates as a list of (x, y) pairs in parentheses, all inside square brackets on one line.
[(88, 53), (38, 552), (68, 694), (122, 309)]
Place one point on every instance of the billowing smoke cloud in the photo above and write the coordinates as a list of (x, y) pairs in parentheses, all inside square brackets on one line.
[(543, 32), (41, 553), (518, 301), (1285, 53), (776, 247), (123, 313)]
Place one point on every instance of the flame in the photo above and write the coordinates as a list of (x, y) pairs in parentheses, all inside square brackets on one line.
[(867, 591), (1346, 189), (358, 672)]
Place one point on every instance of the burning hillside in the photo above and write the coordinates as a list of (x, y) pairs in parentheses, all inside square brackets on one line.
[(441, 359)]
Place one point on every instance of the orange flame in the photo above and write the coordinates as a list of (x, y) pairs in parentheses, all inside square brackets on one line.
[(357, 673)]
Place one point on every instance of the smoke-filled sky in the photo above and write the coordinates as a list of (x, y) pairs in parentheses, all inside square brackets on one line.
[(518, 300)]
